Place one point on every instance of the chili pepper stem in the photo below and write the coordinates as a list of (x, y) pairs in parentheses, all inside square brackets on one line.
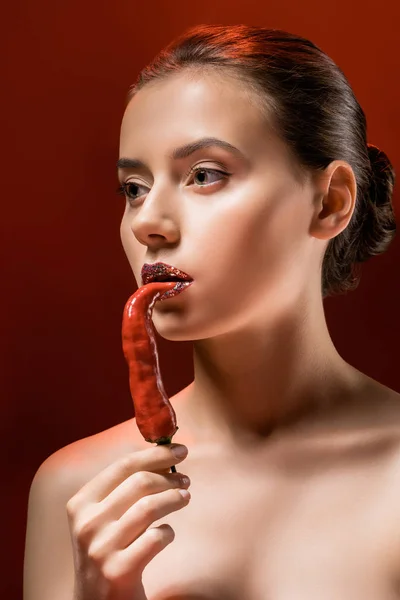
[(166, 440)]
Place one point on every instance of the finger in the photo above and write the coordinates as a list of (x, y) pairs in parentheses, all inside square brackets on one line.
[(145, 512), (132, 560), (138, 485), (156, 458)]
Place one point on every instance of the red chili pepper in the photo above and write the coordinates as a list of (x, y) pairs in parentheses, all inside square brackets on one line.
[(155, 416)]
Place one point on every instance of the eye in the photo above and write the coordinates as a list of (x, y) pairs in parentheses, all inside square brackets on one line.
[(125, 189), (128, 187), (196, 170)]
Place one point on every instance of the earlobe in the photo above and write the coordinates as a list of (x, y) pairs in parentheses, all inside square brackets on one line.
[(335, 201)]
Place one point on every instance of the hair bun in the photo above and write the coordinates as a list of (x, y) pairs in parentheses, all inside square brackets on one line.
[(383, 175), (379, 225)]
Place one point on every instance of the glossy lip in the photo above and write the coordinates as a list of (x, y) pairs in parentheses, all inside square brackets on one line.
[(150, 272)]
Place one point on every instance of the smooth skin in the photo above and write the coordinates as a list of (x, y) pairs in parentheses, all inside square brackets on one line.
[(252, 241), (294, 454), (110, 520)]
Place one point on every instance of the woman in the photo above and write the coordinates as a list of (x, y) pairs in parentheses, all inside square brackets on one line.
[(244, 163)]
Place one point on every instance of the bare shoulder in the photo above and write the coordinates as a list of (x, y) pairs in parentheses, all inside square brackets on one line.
[(374, 406), (78, 462), (385, 407), (388, 484), (48, 559), (378, 415)]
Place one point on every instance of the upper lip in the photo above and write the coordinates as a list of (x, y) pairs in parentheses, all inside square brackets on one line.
[(154, 271)]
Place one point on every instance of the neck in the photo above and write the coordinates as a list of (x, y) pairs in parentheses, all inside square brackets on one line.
[(254, 381)]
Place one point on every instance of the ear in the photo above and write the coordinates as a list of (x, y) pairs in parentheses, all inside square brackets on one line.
[(335, 198)]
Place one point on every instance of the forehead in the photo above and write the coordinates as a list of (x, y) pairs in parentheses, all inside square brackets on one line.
[(195, 106), (189, 106)]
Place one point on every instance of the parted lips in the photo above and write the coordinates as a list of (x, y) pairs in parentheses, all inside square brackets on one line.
[(162, 272)]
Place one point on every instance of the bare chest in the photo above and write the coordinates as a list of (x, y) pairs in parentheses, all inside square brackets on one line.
[(273, 538)]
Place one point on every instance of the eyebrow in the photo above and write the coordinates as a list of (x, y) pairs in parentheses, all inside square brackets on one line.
[(183, 152)]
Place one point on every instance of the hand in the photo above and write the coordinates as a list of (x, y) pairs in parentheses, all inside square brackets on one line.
[(109, 519)]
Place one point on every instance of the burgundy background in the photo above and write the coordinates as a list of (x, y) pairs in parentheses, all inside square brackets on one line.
[(65, 277)]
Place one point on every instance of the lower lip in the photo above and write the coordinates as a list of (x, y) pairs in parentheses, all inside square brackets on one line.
[(180, 287)]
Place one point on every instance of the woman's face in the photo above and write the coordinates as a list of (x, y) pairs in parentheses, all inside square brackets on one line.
[(243, 237)]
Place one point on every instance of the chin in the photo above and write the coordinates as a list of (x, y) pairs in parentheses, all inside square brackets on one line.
[(175, 327), (171, 325)]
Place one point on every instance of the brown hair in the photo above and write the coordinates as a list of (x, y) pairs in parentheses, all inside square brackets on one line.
[(311, 105)]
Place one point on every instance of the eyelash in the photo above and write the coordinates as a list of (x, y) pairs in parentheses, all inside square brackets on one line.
[(122, 189)]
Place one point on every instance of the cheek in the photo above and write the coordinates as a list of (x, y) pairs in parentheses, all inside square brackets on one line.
[(253, 247), (258, 232), (282, 231)]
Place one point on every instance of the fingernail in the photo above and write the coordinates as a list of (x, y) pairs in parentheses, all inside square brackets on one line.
[(185, 494), (178, 450)]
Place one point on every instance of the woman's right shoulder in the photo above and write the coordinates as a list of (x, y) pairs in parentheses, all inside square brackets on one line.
[(77, 463), (49, 573)]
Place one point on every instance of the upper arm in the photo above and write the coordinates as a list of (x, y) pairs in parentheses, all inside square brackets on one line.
[(48, 561)]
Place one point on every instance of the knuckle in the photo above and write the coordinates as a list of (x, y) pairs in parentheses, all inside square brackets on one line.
[(117, 567), (147, 507), (111, 569), (71, 506), (142, 479), (126, 464), (156, 536), (82, 530), (95, 552), (84, 527), (100, 545)]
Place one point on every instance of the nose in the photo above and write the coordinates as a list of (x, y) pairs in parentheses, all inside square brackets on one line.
[(156, 221)]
